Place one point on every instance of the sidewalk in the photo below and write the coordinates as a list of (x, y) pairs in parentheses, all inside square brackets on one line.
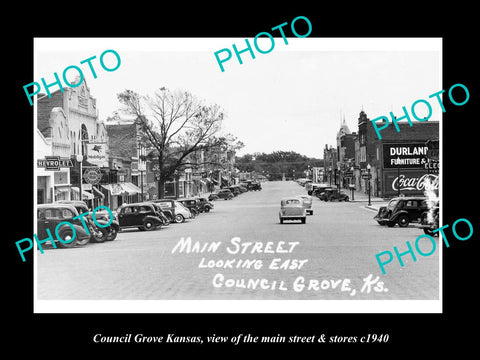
[(361, 197)]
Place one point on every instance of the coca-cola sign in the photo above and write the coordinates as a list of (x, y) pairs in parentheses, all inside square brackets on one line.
[(408, 182)]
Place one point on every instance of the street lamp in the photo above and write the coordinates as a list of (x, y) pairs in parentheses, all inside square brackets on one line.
[(79, 159), (368, 169)]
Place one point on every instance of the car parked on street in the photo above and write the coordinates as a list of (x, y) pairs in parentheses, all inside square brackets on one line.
[(179, 212), (428, 224), (333, 195), (292, 208), (319, 188), (108, 233), (141, 215), (235, 191), (49, 216), (255, 186), (402, 211), (164, 215), (192, 205), (225, 194), (307, 202), (204, 205)]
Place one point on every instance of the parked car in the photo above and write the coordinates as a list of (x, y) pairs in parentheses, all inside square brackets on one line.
[(333, 195), (255, 186), (235, 191), (141, 215), (180, 212), (164, 215), (292, 208), (402, 211), (307, 202), (319, 189), (225, 194), (428, 225), (108, 233), (242, 188), (49, 216), (192, 205), (204, 205)]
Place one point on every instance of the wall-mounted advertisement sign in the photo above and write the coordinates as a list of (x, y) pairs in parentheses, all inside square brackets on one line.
[(411, 156), (409, 182)]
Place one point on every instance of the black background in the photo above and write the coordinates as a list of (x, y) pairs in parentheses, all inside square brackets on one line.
[(66, 335)]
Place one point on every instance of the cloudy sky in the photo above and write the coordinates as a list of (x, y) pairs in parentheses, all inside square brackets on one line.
[(292, 98)]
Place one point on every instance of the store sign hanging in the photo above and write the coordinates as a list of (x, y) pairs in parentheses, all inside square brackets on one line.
[(92, 175), (96, 153), (54, 163), (405, 156)]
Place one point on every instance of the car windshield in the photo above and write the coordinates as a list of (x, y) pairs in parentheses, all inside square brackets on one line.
[(292, 202), (392, 204)]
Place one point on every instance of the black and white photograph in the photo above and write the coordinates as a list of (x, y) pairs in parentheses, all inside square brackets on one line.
[(254, 182)]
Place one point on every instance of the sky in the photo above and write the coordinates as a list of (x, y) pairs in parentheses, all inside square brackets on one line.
[(292, 98)]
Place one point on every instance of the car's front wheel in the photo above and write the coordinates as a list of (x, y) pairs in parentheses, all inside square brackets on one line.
[(179, 218), (67, 234), (304, 220)]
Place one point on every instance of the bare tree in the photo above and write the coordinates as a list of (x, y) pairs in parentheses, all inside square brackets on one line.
[(176, 125)]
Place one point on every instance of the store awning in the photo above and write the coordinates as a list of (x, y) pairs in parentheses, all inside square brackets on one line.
[(115, 189), (131, 188), (85, 194), (125, 188)]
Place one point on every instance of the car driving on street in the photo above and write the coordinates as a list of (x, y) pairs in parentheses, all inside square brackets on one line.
[(292, 208)]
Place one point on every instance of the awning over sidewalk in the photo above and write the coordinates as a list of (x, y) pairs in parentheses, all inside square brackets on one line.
[(125, 188), (96, 193), (85, 194), (131, 188)]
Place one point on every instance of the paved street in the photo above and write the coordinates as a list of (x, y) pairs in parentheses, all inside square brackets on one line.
[(335, 248)]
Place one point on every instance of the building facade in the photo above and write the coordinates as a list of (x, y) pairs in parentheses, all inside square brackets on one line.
[(68, 122)]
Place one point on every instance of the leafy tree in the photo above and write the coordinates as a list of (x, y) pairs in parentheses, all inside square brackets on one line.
[(175, 126)]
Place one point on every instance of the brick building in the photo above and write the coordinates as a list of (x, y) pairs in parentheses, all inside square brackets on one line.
[(398, 162)]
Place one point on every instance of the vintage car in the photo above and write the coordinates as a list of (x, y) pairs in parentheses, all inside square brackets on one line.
[(49, 216), (402, 211), (432, 223), (179, 212), (108, 233), (307, 202), (192, 205), (141, 215), (319, 188), (225, 194), (164, 215), (331, 194), (292, 208), (255, 186), (235, 190), (204, 205)]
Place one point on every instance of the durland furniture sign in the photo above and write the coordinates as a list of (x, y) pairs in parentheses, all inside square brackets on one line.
[(411, 156)]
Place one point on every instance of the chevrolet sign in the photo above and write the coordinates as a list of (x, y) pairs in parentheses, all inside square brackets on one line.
[(54, 163)]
